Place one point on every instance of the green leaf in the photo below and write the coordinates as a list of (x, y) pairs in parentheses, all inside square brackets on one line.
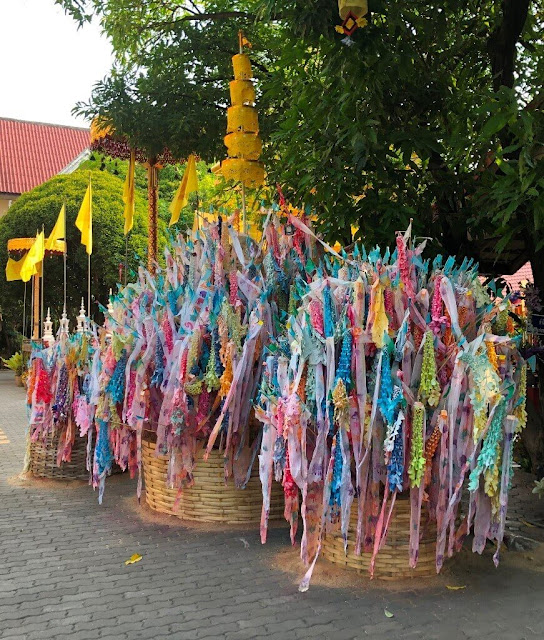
[(503, 242), (497, 122), (505, 166)]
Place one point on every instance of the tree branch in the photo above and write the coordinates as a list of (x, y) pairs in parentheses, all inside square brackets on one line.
[(502, 42), (202, 17)]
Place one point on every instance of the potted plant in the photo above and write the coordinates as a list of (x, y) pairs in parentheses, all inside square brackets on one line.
[(15, 363)]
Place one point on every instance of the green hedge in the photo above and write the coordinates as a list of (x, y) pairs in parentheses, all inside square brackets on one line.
[(41, 206)]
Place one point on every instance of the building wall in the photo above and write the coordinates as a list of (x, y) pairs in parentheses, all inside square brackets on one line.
[(6, 200)]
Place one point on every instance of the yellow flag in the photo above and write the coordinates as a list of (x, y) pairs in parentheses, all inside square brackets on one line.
[(58, 231), (380, 326), (84, 220), (33, 258), (128, 194), (188, 184), (13, 269)]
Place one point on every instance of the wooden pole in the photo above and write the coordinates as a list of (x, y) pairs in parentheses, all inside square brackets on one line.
[(153, 213), (244, 219), (36, 307)]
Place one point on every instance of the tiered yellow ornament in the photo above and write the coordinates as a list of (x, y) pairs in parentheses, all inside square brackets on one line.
[(243, 143)]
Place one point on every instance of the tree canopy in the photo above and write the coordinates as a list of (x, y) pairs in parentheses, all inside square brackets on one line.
[(169, 86), (41, 206), (433, 111)]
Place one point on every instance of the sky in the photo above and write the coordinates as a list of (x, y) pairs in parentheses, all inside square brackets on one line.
[(47, 63)]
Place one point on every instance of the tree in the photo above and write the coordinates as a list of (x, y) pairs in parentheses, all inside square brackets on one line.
[(433, 112), (169, 85), (40, 207)]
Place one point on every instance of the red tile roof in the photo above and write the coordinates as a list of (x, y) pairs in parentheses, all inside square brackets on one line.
[(525, 274), (33, 152)]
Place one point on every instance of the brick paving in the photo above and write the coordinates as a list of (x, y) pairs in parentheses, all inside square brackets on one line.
[(62, 575)]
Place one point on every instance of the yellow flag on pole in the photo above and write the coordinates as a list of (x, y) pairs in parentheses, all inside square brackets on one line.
[(58, 231), (128, 193), (33, 258), (188, 184), (84, 220), (13, 269)]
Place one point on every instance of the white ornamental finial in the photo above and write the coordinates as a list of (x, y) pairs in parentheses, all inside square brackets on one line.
[(82, 319), (110, 303), (48, 337), (109, 316), (64, 324)]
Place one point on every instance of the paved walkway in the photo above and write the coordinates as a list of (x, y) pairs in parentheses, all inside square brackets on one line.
[(62, 574)]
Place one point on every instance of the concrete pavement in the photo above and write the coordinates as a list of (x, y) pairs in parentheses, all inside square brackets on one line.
[(62, 574)]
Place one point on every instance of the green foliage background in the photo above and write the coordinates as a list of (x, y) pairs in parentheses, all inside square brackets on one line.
[(41, 206), (434, 111), (169, 179)]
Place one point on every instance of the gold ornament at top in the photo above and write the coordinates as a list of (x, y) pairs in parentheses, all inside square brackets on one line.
[(243, 143)]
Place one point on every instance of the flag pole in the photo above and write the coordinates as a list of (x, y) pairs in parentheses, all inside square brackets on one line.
[(36, 307), (126, 259), (89, 288), (128, 199), (64, 256), (244, 223), (43, 285), (88, 254), (24, 312), (31, 320)]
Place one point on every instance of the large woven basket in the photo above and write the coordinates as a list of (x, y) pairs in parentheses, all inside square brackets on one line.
[(43, 460), (209, 499), (392, 560)]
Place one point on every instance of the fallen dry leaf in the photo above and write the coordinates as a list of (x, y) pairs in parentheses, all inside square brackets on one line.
[(136, 557), (454, 588)]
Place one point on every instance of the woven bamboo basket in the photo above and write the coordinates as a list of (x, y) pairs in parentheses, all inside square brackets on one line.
[(392, 561), (43, 460), (209, 499)]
